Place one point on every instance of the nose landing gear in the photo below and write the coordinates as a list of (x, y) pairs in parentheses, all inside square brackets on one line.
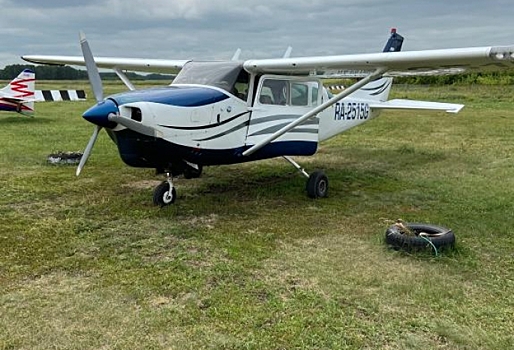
[(165, 193)]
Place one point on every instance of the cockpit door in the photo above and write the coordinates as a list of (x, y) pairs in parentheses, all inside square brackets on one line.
[(279, 101)]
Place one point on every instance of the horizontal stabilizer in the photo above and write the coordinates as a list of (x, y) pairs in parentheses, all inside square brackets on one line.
[(60, 95), (413, 104)]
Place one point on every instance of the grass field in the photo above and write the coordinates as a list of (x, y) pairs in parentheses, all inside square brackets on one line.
[(244, 260)]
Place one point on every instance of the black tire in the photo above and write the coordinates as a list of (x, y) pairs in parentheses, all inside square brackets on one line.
[(441, 237), (162, 195), (317, 185), (192, 173)]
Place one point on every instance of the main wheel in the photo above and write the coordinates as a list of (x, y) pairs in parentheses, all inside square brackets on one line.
[(162, 194), (317, 185), (192, 173)]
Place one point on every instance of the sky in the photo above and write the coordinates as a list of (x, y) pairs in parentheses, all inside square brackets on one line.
[(203, 29)]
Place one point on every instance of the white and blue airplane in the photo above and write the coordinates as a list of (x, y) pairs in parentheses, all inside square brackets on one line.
[(227, 112), (20, 94)]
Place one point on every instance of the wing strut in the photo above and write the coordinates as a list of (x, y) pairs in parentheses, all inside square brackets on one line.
[(376, 74), (124, 78)]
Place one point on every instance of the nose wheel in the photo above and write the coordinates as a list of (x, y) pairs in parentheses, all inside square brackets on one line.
[(165, 194)]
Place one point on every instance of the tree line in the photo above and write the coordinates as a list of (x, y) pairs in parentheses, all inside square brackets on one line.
[(68, 73), (490, 78)]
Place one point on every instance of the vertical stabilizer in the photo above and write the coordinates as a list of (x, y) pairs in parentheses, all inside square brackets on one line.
[(20, 93), (21, 87), (394, 44)]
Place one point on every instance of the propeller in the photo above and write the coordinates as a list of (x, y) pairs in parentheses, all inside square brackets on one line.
[(87, 151), (105, 113), (96, 85)]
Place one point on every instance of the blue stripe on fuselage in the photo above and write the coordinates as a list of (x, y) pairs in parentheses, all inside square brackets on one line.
[(173, 96), (148, 152)]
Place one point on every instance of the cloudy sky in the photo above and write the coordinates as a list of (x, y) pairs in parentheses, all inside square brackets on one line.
[(202, 29)]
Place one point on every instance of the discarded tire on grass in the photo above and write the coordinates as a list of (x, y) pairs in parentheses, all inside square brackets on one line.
[(417, 236)]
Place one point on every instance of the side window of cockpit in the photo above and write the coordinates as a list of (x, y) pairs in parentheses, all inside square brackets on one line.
[(240, 88), (299, 94), (266, 96), (314, 95), (274, 92), (304, 93)]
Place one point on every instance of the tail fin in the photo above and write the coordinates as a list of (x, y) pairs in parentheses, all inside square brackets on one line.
[(21, 89), (379, 89), (394, 43)]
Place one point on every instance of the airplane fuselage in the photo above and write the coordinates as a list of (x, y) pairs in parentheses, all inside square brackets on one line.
[(207, 125)]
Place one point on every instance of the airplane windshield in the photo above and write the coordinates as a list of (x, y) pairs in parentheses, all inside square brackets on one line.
[(220, 74)]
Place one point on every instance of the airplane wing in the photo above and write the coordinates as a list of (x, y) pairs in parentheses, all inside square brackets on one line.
[(133, 64), (489, 58), (433, 62)]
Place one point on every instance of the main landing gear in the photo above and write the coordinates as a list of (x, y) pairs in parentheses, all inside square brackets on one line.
[(165, 194), (317, 182)]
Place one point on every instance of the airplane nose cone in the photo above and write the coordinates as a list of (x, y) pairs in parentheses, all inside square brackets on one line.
[(99, 113)]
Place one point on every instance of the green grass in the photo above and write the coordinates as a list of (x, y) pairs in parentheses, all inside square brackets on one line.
[(243, 259)]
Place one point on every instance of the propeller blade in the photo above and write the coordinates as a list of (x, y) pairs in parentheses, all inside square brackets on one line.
[(92, 70), (88, 149)]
